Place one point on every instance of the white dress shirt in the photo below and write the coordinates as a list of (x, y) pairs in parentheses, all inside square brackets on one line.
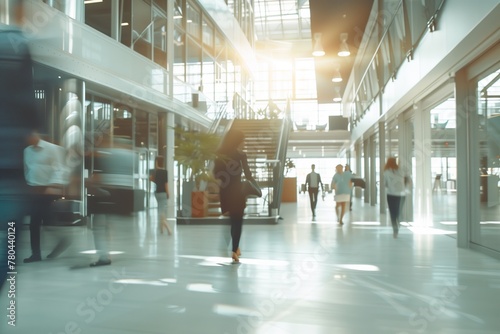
[(43, 164), (313, 181)]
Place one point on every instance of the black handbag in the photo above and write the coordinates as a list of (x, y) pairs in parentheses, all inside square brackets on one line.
[(251, 188)]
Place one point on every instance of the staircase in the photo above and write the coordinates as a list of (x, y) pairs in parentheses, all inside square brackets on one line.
[(262, 139)]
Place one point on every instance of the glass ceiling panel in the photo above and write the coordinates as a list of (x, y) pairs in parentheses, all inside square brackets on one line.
[(282, 19)]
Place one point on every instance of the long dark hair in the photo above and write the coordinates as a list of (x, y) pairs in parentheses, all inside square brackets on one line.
[(231, 141)]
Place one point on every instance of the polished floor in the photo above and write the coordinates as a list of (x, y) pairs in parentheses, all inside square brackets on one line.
[(299, 276)]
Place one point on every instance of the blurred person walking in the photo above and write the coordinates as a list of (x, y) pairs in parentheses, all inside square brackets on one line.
[(395, 181), (347, 169), (18, 119), (341, 183), (313, 180), (160, 178), (45, 174), (229, 165), (99, 204)]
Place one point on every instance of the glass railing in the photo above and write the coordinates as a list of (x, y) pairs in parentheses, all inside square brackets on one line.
[(395, 42)]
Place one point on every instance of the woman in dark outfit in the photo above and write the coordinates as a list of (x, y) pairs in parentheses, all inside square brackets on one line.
[(229, 165), (160, 177)]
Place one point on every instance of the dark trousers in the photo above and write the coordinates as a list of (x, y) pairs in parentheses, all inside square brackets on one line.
[(313, 197), (40, 212), (395, 203), (236, 229), (233, 202)]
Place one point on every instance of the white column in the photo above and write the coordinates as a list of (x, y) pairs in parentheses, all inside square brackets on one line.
[(467, 162), (357, 149), (422, 180), (373, 170), (366, 161), (405, 140), (381, 154)]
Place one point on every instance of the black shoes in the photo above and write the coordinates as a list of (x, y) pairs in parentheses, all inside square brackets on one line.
[(33, 258), (101, 262)]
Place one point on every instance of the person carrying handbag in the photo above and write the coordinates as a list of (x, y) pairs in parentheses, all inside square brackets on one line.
[(228, 167), (159, 176)]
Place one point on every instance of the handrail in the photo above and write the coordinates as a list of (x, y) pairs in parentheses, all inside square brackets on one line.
[(278, 170), (139, 36), (222, 111), (379, 46)]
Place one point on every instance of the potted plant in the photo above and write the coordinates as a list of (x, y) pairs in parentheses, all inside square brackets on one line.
[(289, 193), (194, 150)]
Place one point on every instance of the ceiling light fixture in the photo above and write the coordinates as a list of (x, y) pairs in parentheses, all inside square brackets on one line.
[(344, 48), (336, 95), (318, 48), (336, 74), (88, 2)]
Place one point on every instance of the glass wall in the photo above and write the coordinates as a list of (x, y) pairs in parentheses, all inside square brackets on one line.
[(444, 165), (132, 134), (401, 28), (193, 63), (123, 134), (200, 51), (193, 21), (488, 145), (98, 16), (160, 37), (304, 78), (126, 23), (179, 53), (142, 37), (220, 71)]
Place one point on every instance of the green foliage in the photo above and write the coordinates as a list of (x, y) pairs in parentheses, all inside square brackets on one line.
[(289, 165), (194, 151)]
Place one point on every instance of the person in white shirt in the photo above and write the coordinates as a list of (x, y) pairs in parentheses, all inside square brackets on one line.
[(342, 184), (45, 174), (313, 180), (395, 182)]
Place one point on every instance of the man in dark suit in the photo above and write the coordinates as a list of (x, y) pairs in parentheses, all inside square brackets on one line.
[(313, 180)]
